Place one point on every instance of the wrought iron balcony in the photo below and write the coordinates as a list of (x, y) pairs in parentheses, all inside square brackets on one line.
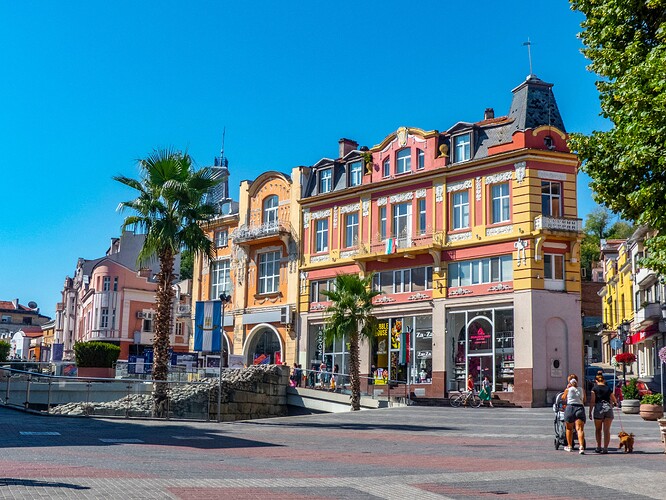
[(557, 224), (403, 244), (261, 232)]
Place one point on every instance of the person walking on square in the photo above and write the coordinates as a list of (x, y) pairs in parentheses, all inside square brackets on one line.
[(602, 401), (574, 414), (486, 393)]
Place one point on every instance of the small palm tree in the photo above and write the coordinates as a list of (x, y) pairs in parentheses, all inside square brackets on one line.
[(169, 209), (350, 317)]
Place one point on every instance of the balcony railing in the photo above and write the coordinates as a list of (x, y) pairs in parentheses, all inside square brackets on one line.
[(557, 224), (647, 314), (183, 309), (403, 243), (267, 229)]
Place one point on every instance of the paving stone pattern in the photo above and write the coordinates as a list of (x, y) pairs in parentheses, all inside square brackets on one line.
[(393, 453)]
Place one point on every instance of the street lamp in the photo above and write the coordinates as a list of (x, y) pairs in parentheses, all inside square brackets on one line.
[(224, 300)]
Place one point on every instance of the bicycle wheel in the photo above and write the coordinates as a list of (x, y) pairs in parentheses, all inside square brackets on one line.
[(475, 401), (457, 401)]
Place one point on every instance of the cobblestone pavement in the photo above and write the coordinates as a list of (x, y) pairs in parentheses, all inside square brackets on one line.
[(395, 453)]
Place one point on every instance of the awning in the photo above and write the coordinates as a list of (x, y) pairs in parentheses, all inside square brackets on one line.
[(643, 334)]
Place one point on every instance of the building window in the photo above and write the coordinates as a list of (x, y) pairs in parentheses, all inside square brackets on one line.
[(325, 180), (220, 279), (551, 199), (422, 215), (269, 272), (321, 236), (115, 284), (500, 200), (271, 209), (179, 328), (403, 280), (420, 159), (317, 287), (106, 283), (104, 317), (460, 210), (386, 168), (403, 161), (222, 237), (147, 325), (480, 271), (382, 223), (402, 221), (553, 266), (351, 230), (462, 147), (355, 173)]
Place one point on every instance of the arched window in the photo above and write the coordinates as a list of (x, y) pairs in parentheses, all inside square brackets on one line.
[(271, 209)]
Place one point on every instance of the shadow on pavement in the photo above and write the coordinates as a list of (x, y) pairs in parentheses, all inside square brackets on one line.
[(355, 426), (33, 483)]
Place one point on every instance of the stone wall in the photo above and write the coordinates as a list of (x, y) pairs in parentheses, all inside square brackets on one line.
[(250, 393)]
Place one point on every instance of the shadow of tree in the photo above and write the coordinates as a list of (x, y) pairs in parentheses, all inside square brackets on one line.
[(34, 483)]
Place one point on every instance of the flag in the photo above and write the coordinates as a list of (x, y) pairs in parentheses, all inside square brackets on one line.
[(404, 346), (207, 334), (390, 245)]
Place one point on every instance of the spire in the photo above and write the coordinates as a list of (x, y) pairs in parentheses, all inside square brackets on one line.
[(219, 195)]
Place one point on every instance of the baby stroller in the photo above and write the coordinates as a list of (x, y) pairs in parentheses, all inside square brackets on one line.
[(560, 426)]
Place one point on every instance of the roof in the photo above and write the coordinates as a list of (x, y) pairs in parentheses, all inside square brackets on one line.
[(8, 305)]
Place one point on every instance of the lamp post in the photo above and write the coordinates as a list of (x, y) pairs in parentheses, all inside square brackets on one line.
[(661, 361), (224, 300)]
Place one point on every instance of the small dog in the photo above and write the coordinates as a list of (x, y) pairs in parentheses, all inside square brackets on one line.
[(626, 441)]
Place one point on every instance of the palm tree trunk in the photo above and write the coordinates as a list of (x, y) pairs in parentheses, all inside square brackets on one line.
[(163, 318), (354, 372)]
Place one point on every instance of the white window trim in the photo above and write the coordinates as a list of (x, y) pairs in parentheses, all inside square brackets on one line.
[(329, 180), (273, 279), (217, 285), (459, 224), (554, 283), (353, 171), (404, 161), (501, 197), (456, 158), (322, 232)]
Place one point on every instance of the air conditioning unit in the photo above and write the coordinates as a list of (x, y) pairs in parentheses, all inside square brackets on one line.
[(139, 314), (285, 315)]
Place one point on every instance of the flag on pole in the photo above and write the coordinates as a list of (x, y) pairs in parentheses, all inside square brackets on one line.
[(207, 333)]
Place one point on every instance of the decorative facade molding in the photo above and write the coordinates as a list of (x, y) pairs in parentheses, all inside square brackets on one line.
[(401, 135), (316, 306), (556, 176), (400, 197), (439, 193), (366, 207), (521, 245), (520, 167), (500, 288), (459, 291), (320, 258), (384, 300), (306, 218), (418, 296), (497, 178), (352, 207), (494, 231), (420, 193), (382, 201), (478, 188), (335, 217), (467, 235), (459, 186), (320, 214), (348, 253)]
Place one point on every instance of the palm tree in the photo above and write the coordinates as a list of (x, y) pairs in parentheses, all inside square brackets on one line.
[(169, 209), (350, 317)]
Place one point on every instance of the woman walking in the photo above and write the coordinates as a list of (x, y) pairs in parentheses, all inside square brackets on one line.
[(602, 401), (574, 414), (486, 393)]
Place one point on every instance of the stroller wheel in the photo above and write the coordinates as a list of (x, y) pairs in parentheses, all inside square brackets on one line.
[(557, 444)]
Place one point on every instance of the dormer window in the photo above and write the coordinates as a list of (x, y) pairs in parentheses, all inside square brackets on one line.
[(355, 173), (403, 161), (325, 180), (462, 147), (420, 159)]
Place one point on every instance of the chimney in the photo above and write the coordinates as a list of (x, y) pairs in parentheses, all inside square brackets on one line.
[(345, 146), (15, 303), (488, 114)]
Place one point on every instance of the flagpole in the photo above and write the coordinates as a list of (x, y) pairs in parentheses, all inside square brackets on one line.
[(224, 299)]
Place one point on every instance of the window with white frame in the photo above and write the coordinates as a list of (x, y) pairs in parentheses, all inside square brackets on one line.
[(355, 173), (106, 283), (271, 204), (386, 167), (319, 286), (551, 198), (480, 271), (321, 235), (500, 203), (422, 215), (382, 223), (222, 238), (460, 210), (403, 280), (104, 317), (179, 328), (220, 278), (462, 147), (420, 159), (403, 161), (402, 220), (269, 272), (325, 180), (553, 266), (351, 229)]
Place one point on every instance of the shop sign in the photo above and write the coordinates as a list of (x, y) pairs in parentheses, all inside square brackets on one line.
[(424, 334), (423, 354), (480, 337)]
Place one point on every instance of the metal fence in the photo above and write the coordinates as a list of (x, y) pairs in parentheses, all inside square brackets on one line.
[(341, 383)]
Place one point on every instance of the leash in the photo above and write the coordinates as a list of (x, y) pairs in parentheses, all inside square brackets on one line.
[(619, 414)]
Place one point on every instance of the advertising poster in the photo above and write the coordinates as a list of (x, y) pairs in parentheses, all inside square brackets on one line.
[(381, 371), (236, 361)]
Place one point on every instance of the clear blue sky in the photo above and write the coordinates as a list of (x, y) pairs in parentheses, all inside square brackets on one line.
[(88, 87)]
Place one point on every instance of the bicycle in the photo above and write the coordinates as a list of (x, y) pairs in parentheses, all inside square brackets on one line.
[(468, 398)]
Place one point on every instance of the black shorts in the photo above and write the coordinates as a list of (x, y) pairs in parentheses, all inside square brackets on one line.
[(573, 413)]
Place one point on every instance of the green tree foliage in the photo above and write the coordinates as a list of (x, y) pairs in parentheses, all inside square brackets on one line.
[(186, 265), (599, 225), (169, 209), (625, 40), (5, 348), (96, 354), (350, 317)]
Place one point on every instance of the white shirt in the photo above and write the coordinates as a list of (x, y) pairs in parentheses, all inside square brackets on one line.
[(574, 396)]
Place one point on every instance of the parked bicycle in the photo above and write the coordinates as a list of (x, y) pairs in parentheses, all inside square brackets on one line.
[(468, 398)]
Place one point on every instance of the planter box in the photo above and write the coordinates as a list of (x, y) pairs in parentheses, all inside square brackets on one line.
[(96, 372), (631, 406), (651, 412)]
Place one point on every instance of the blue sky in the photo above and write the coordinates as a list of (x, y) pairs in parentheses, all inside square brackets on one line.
[(89, 87)]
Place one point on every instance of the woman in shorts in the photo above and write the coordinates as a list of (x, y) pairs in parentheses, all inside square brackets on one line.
[(602, 401), (574, 414)]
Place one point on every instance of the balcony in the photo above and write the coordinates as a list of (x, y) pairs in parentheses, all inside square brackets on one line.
[(102, 334), (264, 232), (543, 222), (647, 315), (403, 245), (645, 277), (183, 310)]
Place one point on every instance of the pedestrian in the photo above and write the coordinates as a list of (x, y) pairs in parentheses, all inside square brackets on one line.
[(486, 393), (322, 375), (470, 384), (602, 401), (334, 377), (574, 414)]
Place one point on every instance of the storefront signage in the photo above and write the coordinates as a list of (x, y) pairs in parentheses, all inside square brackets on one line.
[(424, 334), (424, 355), (480, 337)]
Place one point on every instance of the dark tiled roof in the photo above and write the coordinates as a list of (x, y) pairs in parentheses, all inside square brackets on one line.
[(534, 105)]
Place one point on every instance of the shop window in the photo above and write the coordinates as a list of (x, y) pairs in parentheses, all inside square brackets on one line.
[(221, 238), (403, 162), (355, 173), (500, 203), (460, 210), (551, 199), (477, 272)]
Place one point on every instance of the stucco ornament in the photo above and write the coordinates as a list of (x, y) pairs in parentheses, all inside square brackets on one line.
[(439, 193), (366, 207), (402, 136), (497, 178), (478, 188), (520, 171), (458, 186), (306, 218), (521, 245)]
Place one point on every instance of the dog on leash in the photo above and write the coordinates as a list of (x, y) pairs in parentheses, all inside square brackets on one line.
[(626, 441)]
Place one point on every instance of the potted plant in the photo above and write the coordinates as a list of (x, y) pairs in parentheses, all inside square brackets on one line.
[(652, 407), (630, 398), (96, 359)]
